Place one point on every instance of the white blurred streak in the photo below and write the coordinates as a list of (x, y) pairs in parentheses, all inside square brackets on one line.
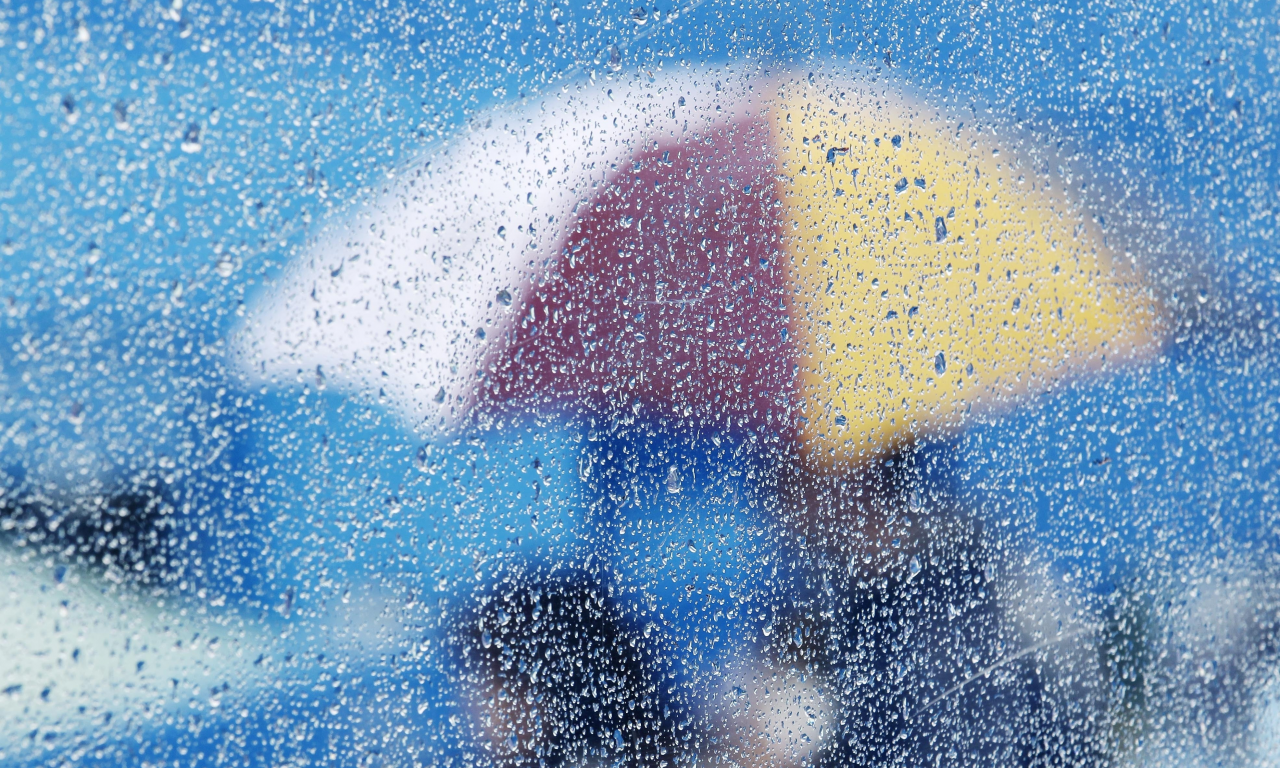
[(81, 654), (400, 297)]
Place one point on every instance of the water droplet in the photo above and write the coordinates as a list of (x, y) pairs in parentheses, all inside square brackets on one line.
[(640, 15), (940, 228), (225, 267), (82, 34), (896, 141), (915, 565), (486, 639), (673, 479), (901, 186), (615, 58), (428, 460), (617, 739), (920, 183), (940, 363), (504, 297), (191, 139), (841, 420), (798, 637)]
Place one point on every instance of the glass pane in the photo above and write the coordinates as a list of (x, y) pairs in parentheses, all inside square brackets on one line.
[(500, 383)]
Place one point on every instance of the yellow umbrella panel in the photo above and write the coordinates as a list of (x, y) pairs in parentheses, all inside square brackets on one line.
[(935, 275)]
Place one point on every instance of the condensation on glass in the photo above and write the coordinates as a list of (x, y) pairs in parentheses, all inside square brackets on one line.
[(515, 384)]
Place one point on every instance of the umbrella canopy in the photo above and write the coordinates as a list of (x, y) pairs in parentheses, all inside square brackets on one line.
[(839, 262)]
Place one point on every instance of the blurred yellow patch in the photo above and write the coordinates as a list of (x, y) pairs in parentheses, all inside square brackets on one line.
[(937, 273)]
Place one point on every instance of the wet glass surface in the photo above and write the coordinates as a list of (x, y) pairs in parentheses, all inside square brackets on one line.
[(477, 384)]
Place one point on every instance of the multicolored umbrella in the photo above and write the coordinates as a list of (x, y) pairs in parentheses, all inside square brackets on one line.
[(835, 261)]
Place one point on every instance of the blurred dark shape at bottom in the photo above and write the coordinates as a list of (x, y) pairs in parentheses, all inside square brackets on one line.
[(938, 643), (130, 535), (554, 677)]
